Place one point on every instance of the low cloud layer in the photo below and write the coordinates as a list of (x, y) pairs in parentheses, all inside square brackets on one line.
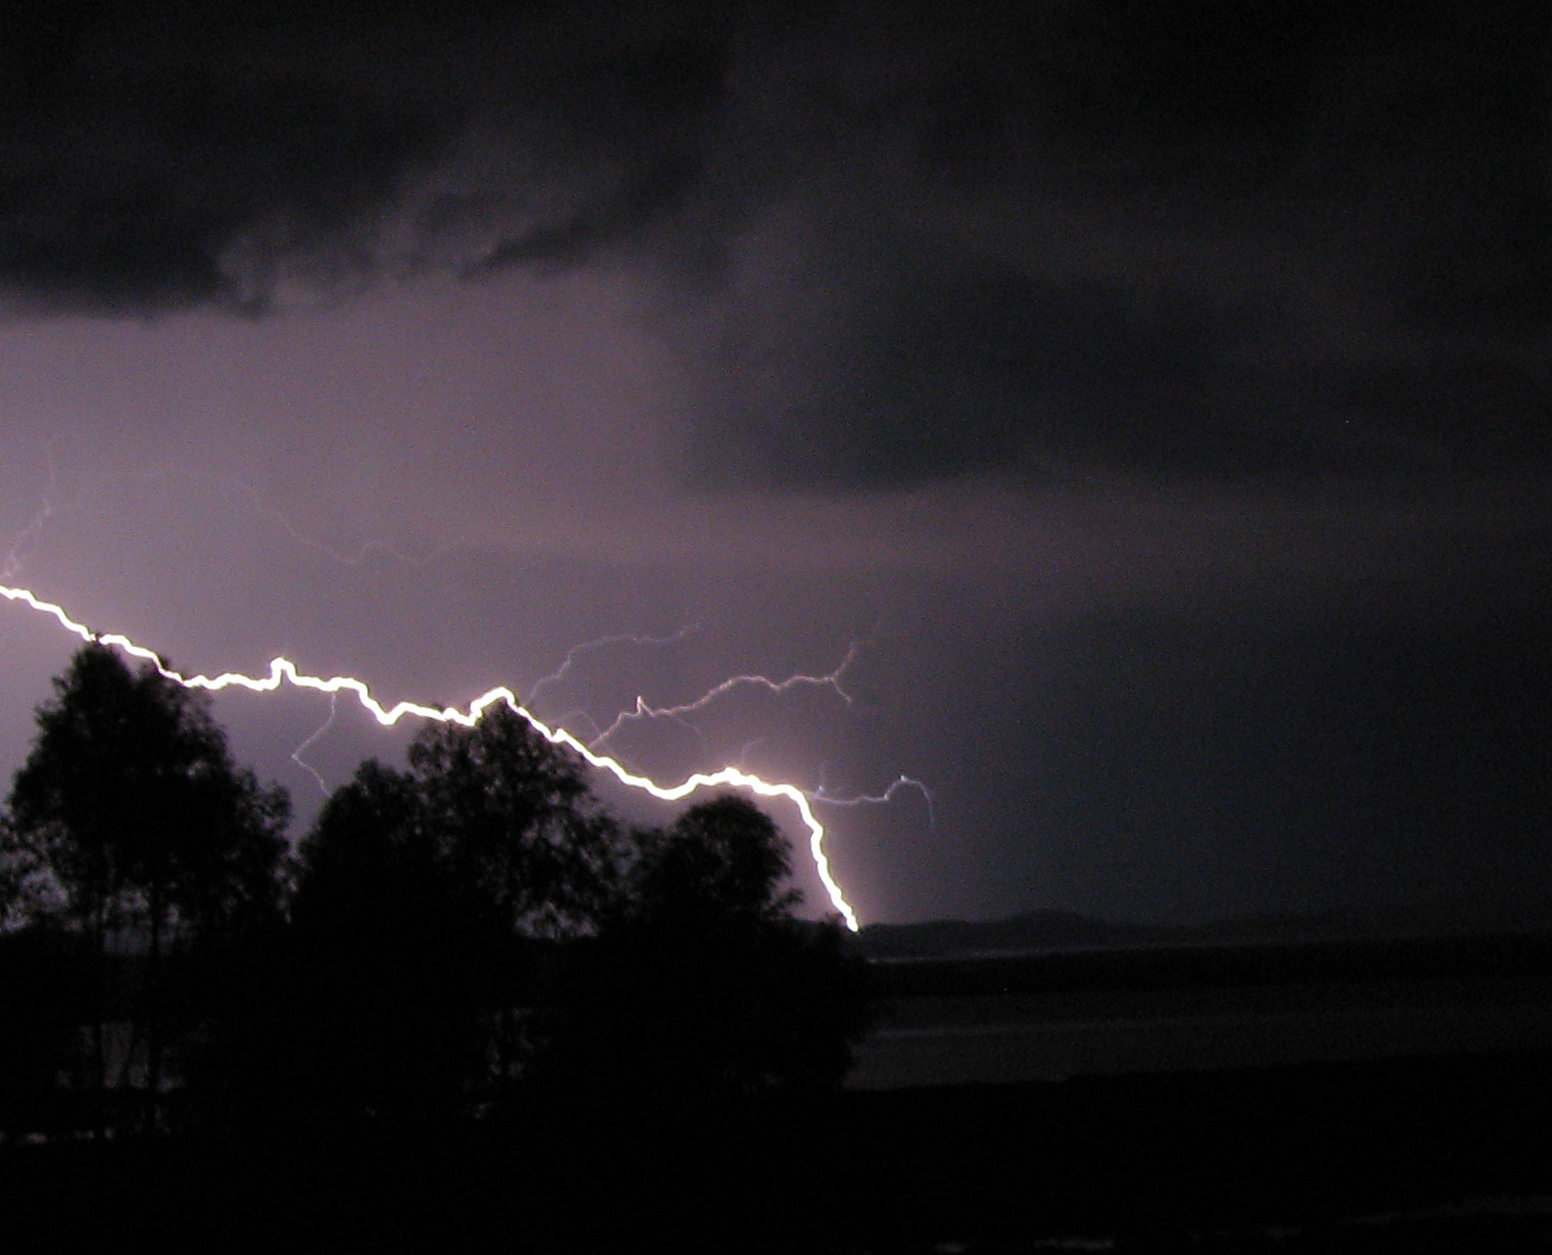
[(886, 246)]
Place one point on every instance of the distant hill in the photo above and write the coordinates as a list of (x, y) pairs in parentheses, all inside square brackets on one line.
[(1033, 931), (1043, 931)]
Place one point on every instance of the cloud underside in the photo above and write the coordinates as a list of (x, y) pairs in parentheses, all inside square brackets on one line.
[(889, 249)]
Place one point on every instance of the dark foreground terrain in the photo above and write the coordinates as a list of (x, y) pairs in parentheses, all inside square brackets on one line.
[(1371, 1156)]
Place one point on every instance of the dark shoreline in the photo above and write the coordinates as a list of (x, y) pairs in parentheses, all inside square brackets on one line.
[(1147, 1162), (1492, 955), (1155, 1158)]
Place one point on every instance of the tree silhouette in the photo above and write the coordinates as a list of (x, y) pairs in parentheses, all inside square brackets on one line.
[(704, 983), (385, 987), (517, 826), (44, 976), (515, 818), (130, 824), (720, 867), (428, 910)]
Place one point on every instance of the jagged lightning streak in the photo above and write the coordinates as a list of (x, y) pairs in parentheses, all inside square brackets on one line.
[(283, 671), (822, 794), (15, 557), (317, 735), (643, 710), (14, 560), (831, 680), (226, 486), (365, 550), (588, 647)]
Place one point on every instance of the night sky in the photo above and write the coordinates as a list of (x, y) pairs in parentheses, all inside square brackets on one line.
[(1152, 399)]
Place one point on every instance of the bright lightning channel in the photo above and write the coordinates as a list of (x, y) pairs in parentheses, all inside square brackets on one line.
[(282, 670)]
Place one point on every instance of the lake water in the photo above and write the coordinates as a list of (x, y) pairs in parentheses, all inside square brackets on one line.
[(1030, 1037)]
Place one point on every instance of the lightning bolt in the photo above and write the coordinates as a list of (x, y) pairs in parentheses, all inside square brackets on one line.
[(588, 647), (363, 551), (283, 671), (821, 794), (229, 487), (643, 710), (317, 734), (49, 505), (16, 556)]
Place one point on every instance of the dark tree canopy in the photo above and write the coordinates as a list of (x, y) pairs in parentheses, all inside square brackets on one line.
[(387, 947), (455, 936), (129, 812), (722, 864), (514, 817), (370, 836), (130, 822), (429, 903), (705, 985)]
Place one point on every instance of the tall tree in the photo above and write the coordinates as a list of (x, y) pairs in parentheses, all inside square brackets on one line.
[(518, 827), (429, 905), (517, 820), (722, 866), (384, 986), (704, 984), (130, 820)]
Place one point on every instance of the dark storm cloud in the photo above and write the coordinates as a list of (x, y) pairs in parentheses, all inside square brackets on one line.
[(167, 155), (892, 244), (141, 164), (1216, 239), (961, 371)]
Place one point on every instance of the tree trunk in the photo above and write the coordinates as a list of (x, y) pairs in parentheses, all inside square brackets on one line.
[(153, 1015), (99, 997)]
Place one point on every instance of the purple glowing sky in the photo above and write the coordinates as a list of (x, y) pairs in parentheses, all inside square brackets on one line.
[(1164, 419)]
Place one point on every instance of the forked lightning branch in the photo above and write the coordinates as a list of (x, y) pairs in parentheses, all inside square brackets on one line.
[(283, 671)]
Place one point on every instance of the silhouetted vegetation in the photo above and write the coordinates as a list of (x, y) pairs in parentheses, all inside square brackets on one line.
[(131, 833), (462, 937), (472, 1011), (701, 984)]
